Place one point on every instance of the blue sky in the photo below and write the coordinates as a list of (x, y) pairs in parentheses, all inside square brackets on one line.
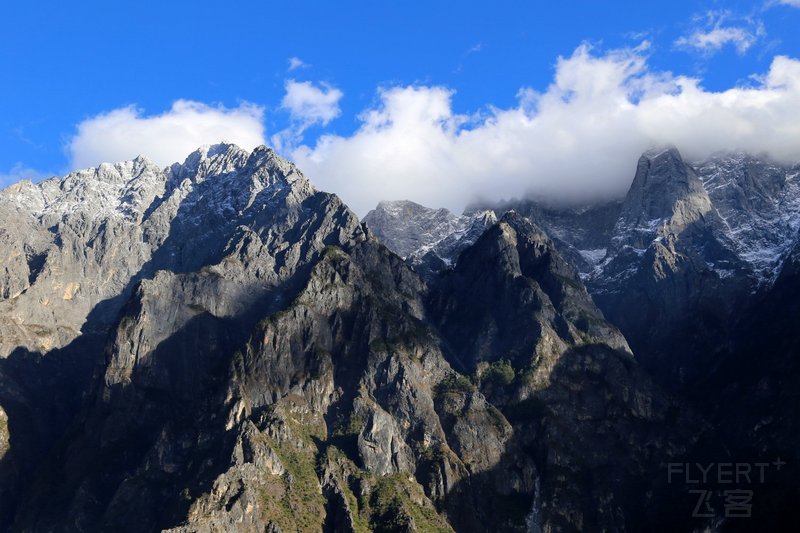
[(65, 64)]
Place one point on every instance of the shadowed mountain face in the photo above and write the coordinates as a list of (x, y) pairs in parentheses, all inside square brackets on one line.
[(697, 266), (679, 261), (219, 346)]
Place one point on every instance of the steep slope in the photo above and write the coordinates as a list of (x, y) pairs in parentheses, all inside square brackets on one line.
[(676, 263), (758, 203), (749, 204), (271, 366), (406, 226), (79, 243), (700, 273), (698, 266), (537, 296), (670, 280), (581, 233), (565, 378), (82, 240), (201, 216), (692, 246), (752, 394), (320, 416)]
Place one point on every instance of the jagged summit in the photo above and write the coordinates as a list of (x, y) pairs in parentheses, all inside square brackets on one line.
[(556, 307), (126, 189), (686, 248), (429, 239), (687, 239), (663, 188), (406, 226), (77, 240)]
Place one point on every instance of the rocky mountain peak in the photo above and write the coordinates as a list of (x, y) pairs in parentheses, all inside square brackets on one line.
[(210, 160), (408, 208), (662, 181), (513, 218), (108, 190), (513, 264), (223, 160), (429, 239), (265, 164), (92, 233), (665, 197), (406, 226)]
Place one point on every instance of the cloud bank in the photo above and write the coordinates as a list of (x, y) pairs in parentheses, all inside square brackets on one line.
[(577, 140), (124, 133)]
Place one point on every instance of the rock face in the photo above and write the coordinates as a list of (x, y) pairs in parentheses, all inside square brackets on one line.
[(429, 239), (679, 260), (540, 307), (406, 227), (565, 379), (697, 266), (580, 233), (82, 241), (219, 346), (669, 269), (692, 249)]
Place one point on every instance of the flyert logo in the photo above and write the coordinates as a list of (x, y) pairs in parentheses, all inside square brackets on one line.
[(725, 481)]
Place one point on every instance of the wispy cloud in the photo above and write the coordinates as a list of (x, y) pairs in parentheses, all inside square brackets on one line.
[(126, 132), (474, 49), (296, 63), (714, 30)]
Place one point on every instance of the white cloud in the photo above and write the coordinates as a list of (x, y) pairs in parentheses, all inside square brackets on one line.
[(296, 63), (307, 105), (711, 34), (579, 139), (793, 3), (714, 39), (126, 132), (310, 104)]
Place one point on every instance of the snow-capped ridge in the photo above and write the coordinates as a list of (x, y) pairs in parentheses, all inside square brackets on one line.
[(127, 189), (736, 213), (429, 239)]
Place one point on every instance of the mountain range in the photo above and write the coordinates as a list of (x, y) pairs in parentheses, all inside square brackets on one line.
[(219, 346)]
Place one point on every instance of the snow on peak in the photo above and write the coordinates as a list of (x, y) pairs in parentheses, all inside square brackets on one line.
[(758, 204), (126, 189), (414, 231)]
